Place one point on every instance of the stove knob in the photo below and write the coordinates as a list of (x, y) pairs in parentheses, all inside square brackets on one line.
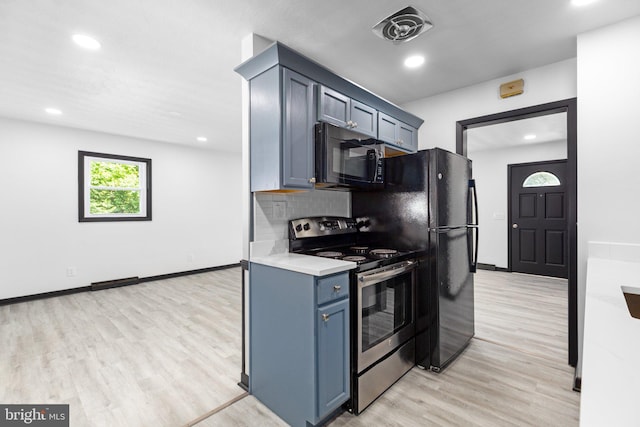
[(298, 228), (307, 227)]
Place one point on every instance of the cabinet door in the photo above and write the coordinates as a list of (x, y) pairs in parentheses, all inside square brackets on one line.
[(387, 128), (333, 356), (364, 118), (297, 140), (407, 136), (333, 107)]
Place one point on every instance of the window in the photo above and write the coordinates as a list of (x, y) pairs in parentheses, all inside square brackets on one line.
[(113, 188), (541, 179)]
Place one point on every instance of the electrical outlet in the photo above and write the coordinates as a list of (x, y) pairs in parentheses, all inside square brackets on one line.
[(72, 272), (279, 210)]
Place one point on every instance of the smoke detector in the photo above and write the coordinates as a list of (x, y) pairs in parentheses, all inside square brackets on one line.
[(403, 26)]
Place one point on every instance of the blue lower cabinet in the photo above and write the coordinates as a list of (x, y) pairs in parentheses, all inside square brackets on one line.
[(298, 343), (332, 349)]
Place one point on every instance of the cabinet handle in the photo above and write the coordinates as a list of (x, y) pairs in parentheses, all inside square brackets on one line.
[(325, 317), (312, 180), (336, 288), (355, 124), (349, 124)]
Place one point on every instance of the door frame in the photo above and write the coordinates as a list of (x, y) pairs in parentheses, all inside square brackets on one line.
[(509, 207), (568, 106)]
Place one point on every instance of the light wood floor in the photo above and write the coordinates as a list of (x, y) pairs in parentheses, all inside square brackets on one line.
[(154, 354), (165, 353)]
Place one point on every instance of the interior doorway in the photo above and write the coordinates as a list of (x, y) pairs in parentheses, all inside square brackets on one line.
[(538, 218), (569, 108)]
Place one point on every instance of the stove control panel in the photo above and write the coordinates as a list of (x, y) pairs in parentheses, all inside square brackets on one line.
[(330, 224), (321, 226)]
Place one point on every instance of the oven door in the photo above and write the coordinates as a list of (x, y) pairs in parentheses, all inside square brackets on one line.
[(385, 317), (347, 158)]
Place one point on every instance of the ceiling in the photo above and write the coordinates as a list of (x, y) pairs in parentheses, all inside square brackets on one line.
[(165, 69)]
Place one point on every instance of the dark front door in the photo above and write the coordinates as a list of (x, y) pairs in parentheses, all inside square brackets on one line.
[(538, 216)]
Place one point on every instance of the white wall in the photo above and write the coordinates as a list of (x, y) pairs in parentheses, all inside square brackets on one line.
[(441, 112), (196, 211), (608, 143), (490, 172)]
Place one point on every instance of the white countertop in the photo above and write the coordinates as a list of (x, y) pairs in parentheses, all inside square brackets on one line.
[(611, 349), (307, 264)]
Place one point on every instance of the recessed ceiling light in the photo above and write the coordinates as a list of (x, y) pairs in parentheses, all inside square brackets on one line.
[(530, 137), (414, 61), (86, 42), (579, 3), (53, 111), (201, 139)]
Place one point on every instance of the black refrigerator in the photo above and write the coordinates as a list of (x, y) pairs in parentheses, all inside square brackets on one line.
[(429, 205)]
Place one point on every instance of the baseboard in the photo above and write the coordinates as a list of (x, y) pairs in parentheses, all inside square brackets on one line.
[(121, 282), (244, 381), (186, 273), (577, 384), (44, 295), (491, 267)]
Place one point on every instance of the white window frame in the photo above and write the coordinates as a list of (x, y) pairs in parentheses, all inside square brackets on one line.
[(84, 187)]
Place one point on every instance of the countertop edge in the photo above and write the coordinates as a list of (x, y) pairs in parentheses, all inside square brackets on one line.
[(306, 264)]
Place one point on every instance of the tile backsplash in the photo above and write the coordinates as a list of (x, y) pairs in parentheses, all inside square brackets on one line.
[(273, 211)]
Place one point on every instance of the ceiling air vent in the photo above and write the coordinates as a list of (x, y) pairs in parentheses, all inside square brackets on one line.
[(403, 26)]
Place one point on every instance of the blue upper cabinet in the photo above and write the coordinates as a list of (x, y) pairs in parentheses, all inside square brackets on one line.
[(298, 168), (282, 116), (364, 118), (284, 105), (340, 110), (333, 107), (397, 134)]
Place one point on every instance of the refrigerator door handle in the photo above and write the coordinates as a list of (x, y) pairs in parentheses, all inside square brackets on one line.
[(473, 210), (473, 233), (472, 246)]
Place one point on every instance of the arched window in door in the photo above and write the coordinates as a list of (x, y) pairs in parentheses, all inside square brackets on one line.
[(541, 179)]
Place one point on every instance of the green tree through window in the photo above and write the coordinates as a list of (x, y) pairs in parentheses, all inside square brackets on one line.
[(114, 187)]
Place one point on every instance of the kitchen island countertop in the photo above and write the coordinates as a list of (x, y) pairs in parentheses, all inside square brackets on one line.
[(610, 374), (307, 264)]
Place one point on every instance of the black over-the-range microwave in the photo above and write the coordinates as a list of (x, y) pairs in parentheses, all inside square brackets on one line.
[(345, 158)]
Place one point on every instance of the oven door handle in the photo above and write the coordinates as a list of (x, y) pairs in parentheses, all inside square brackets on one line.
[(369, 279)]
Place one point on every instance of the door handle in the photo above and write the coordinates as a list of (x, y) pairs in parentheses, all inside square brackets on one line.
[(514, 225), (472, 209)]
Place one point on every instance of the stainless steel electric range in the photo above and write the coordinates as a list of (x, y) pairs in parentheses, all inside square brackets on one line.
[(382, 289)]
